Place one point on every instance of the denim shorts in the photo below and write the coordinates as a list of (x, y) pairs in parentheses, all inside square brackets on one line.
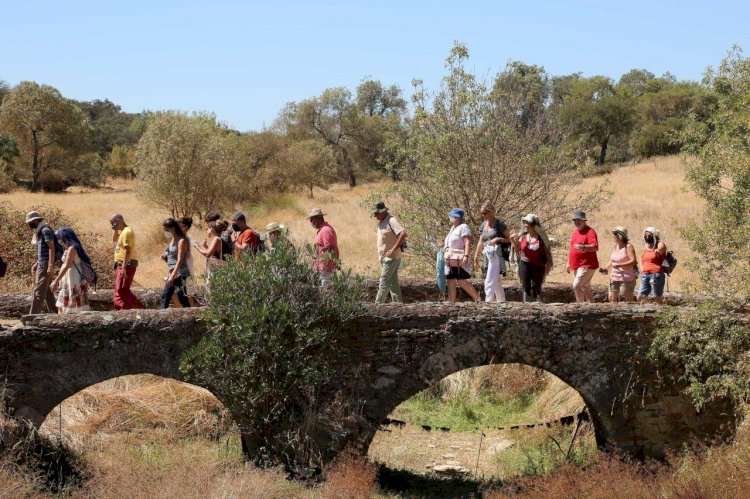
[(653, 282)]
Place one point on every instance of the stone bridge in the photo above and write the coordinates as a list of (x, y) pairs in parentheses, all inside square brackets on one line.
[(599, 350)]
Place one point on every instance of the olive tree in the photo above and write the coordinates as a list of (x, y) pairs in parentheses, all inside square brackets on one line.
[(182, 163), (468, 144), (49, 130)]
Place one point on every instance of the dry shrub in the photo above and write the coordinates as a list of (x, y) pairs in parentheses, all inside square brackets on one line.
[(38, 461), (17, 250), (349, 476), (140, 403), (14, 484), (184, 469), (610, 477), (716, 472)]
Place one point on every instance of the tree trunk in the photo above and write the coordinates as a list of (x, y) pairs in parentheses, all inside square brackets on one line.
[(603, 152), (349, 165), (35, 173)]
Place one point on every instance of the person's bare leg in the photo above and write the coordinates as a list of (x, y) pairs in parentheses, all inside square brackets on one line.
[(614, 297), (659, 300), (466, 286), (589, 295), (629, 296), (452, 290)]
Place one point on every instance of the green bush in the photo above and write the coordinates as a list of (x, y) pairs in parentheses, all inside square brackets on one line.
[(712, 350), (271, 350), (53, 181)]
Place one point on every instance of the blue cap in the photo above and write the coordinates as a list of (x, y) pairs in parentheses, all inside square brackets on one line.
[(457, 213)]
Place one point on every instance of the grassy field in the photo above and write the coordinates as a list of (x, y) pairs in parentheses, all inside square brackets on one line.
[(647, 194), (146, 436)]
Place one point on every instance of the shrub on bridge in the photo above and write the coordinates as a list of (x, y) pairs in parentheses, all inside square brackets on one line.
[(272, 351)]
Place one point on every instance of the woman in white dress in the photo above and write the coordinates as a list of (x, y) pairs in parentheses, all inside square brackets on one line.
[(73, 287)]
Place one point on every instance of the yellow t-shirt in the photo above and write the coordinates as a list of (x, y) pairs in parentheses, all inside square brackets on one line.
[(126, 239)]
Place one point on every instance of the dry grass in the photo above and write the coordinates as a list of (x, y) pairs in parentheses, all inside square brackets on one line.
[(142, 404), (14, 484), (646, 194), (93, 207)]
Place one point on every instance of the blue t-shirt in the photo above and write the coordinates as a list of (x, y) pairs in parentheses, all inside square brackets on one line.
[(43, 236)]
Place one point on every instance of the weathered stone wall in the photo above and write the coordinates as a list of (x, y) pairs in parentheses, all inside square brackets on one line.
[(399, 350)]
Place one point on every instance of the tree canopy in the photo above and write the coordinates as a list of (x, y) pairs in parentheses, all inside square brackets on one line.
[(49, 130)]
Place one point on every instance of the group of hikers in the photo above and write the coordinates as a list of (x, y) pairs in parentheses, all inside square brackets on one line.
[(528, 250), (75, 273)]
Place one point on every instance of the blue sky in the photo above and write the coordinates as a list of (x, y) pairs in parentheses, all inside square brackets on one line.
[(245, 60)]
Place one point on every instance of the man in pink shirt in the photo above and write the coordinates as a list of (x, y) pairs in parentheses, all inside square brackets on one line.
[(582, 260), (326, 245)]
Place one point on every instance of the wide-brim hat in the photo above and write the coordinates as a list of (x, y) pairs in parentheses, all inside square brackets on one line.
[(653, 231), (33, 215), (315, 212), (579, 215), (620, 230), (379, 208), (274, 227), (531, 218)]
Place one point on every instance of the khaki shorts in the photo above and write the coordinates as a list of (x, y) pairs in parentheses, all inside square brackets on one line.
[(583, 277), (622, 287)]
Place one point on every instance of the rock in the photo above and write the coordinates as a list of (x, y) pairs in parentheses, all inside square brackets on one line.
[(449, 456), (449, 469), (500, 446)]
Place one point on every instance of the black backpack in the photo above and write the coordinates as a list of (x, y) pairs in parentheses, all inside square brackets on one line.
[(669, 263), (226, 249)]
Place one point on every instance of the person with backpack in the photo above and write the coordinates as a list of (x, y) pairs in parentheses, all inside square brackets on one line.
[(391, 238), (245, 239), (49, 251), (226, 234), (176, 257), (75, 276), (653, 277), (622, 268), (456, 250), (535, 262), (493, 234)]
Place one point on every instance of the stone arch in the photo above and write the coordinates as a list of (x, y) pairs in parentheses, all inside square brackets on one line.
[(129, 395), (65, 355)]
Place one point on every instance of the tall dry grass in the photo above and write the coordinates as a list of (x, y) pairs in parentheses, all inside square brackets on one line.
[(716, 473), (648, 194), (140, 404), (93, 207), (652, 193)]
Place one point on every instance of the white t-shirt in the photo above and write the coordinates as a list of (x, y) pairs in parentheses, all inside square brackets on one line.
[(455, 240)]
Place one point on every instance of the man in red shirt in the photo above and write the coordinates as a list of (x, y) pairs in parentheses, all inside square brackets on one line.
[(326, 245), (582, 260), (246, 240)]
